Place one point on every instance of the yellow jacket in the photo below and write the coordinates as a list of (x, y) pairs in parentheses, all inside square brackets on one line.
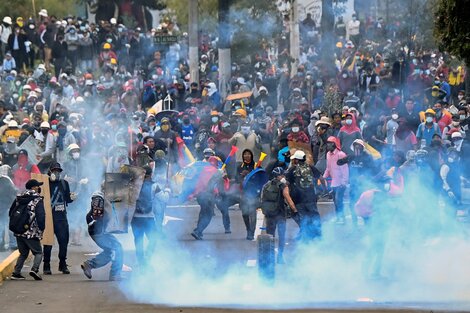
[(456, 79)]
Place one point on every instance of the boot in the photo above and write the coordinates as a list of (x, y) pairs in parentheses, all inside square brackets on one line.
[(63, 268), (47, 269), (249, 235)]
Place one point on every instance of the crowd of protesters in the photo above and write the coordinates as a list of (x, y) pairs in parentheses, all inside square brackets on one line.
[(91, 94)]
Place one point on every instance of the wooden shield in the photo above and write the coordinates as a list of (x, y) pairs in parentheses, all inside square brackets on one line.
[(48, 236)]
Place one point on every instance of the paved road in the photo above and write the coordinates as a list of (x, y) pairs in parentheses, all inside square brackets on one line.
[(217, 272)]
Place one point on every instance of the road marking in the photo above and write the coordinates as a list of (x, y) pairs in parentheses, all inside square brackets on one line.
[(168, 218), (251, 263)]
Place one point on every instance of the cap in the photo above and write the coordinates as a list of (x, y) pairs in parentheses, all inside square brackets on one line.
[(45, 125), (241, 112), (299, 155), (32, 183), (55, 166), (106, 46), (7, 20), (26, 87), (43, 13), (457, 134), (73, 146), (23, 152), (430, 111), (13, 123), (165, 120), (277, 171)]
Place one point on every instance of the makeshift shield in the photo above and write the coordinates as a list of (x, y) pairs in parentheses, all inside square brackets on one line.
[(33, 149), (254, 182), (48, 235), (122, 190)]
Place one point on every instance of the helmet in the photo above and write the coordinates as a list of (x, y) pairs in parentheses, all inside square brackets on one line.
[(106, 46), (240, 112), (13, 123), (45, 125), (73, 146), (208, 151), (278, 171), (113, 61), (430, 111)]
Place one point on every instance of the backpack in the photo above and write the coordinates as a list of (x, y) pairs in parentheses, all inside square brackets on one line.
[(270, 198), (20, 219), (144, 202), (303, 176)]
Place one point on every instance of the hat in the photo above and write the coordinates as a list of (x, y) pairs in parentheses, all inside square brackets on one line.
[(73, 146), (8, 54), (97, 194), (430, 111), (23, 152), (7, 20), (37, 90), (324, 120), (165, 120), (13, 123), (296, 89), (299, 155), (106, 46), (359, 142), (43, 13), (55, 166), (41, 67), (262, 88), (32, 183), (11, 139), (277, 171), (32, 95), (241, 81), (26, 87), (457, 134), (45, 125)]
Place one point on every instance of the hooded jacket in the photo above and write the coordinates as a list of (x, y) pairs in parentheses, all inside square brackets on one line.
[(36, 212), (348, 133), (339, 173)]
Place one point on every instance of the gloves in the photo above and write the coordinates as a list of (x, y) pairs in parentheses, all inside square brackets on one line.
[(83, 181)]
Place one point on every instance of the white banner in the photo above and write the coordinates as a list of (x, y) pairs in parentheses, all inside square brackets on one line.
[(313, 7)]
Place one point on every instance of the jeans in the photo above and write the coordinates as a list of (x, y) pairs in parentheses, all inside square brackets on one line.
[(86, 65), (144, 226), (205, 214), (61, 231), (4, 232), (310, 222), (112, 252), (223, 203), (280, 222), (338, 199), (24, 246)]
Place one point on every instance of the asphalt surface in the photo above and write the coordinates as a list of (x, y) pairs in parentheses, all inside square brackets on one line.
[(218, 253)]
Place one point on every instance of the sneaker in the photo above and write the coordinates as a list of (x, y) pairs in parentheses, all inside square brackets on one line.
[(86, 269), (64, 269), (196, 235), (47, 269), (17, 277), (228, 231), (250, 237), (35, 275)]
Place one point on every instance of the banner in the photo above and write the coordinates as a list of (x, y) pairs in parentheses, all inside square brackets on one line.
[(313, 7), (33, 149)]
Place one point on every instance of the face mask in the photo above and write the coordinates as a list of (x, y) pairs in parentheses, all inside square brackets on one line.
[(15, 96), (451, 160), (165, 127), (415, 61), (186, 121), (436, 82), (319, 84), (109, 40), (54, 127), (295, 129), (69, 128), (54, 177), (455, 124), (345, 75), (75, 155), (395, 116), (283, 180), (348, 122), (386, 187), (350, 93), (120, 29), (215, 119), (460, 97), (462, 117), (429, 119), (245, 130)]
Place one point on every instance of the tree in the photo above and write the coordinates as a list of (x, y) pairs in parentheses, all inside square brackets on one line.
[(452, 30)]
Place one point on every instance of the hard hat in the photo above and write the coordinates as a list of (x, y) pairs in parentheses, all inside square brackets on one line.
[(13, 123), (73, 146), (113, 61), (106, 46), (208, 151), (45, 125), (299, 155), (430, 111), (241, 112)]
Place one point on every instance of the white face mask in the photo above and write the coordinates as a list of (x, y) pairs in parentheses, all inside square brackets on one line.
[(245, 130), (75, 155), (395, 116), (460, 97), (283, 180), (215, 119), (455, 124), (54, 177), (387, 187), (451, 160), (462, 117), (348, 122), (350, 93), (295, 129), (429, 119), (345, 75)]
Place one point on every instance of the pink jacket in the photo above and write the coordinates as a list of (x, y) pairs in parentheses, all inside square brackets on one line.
[(339, 173)]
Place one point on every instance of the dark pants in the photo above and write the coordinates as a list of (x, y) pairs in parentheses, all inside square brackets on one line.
[(24, 246), (338, 198), (112, 252), (20, 58), (223, 204), (144, 226), (61, 231), (280, 222), (310, 223), (248, 207), (205, 214), (59, 65)]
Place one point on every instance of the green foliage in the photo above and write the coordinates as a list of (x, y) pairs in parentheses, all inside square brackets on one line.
[(24, 8), (452, 27)]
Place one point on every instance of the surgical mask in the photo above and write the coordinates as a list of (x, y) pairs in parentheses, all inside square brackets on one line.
[(120, 29), (165, 127), (215, 119), (387, 187), (31, 26), (54, 127), (455, 124), (350, 93), (451, 160), (348, 122), (295, 129), (345, 75), (283, 180), (460, 97), (415, 61), (109, 40), (319, 84), (55, 177), (436, 82), (395, 116), (429, 119), (462, 117), (75, 155), (245, 130)]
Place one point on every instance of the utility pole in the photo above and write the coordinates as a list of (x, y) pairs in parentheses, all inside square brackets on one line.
[(294, 37), (193, 41), (225, 59)]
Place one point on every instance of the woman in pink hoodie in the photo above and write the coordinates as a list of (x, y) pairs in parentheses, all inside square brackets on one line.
[(339, 175)]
